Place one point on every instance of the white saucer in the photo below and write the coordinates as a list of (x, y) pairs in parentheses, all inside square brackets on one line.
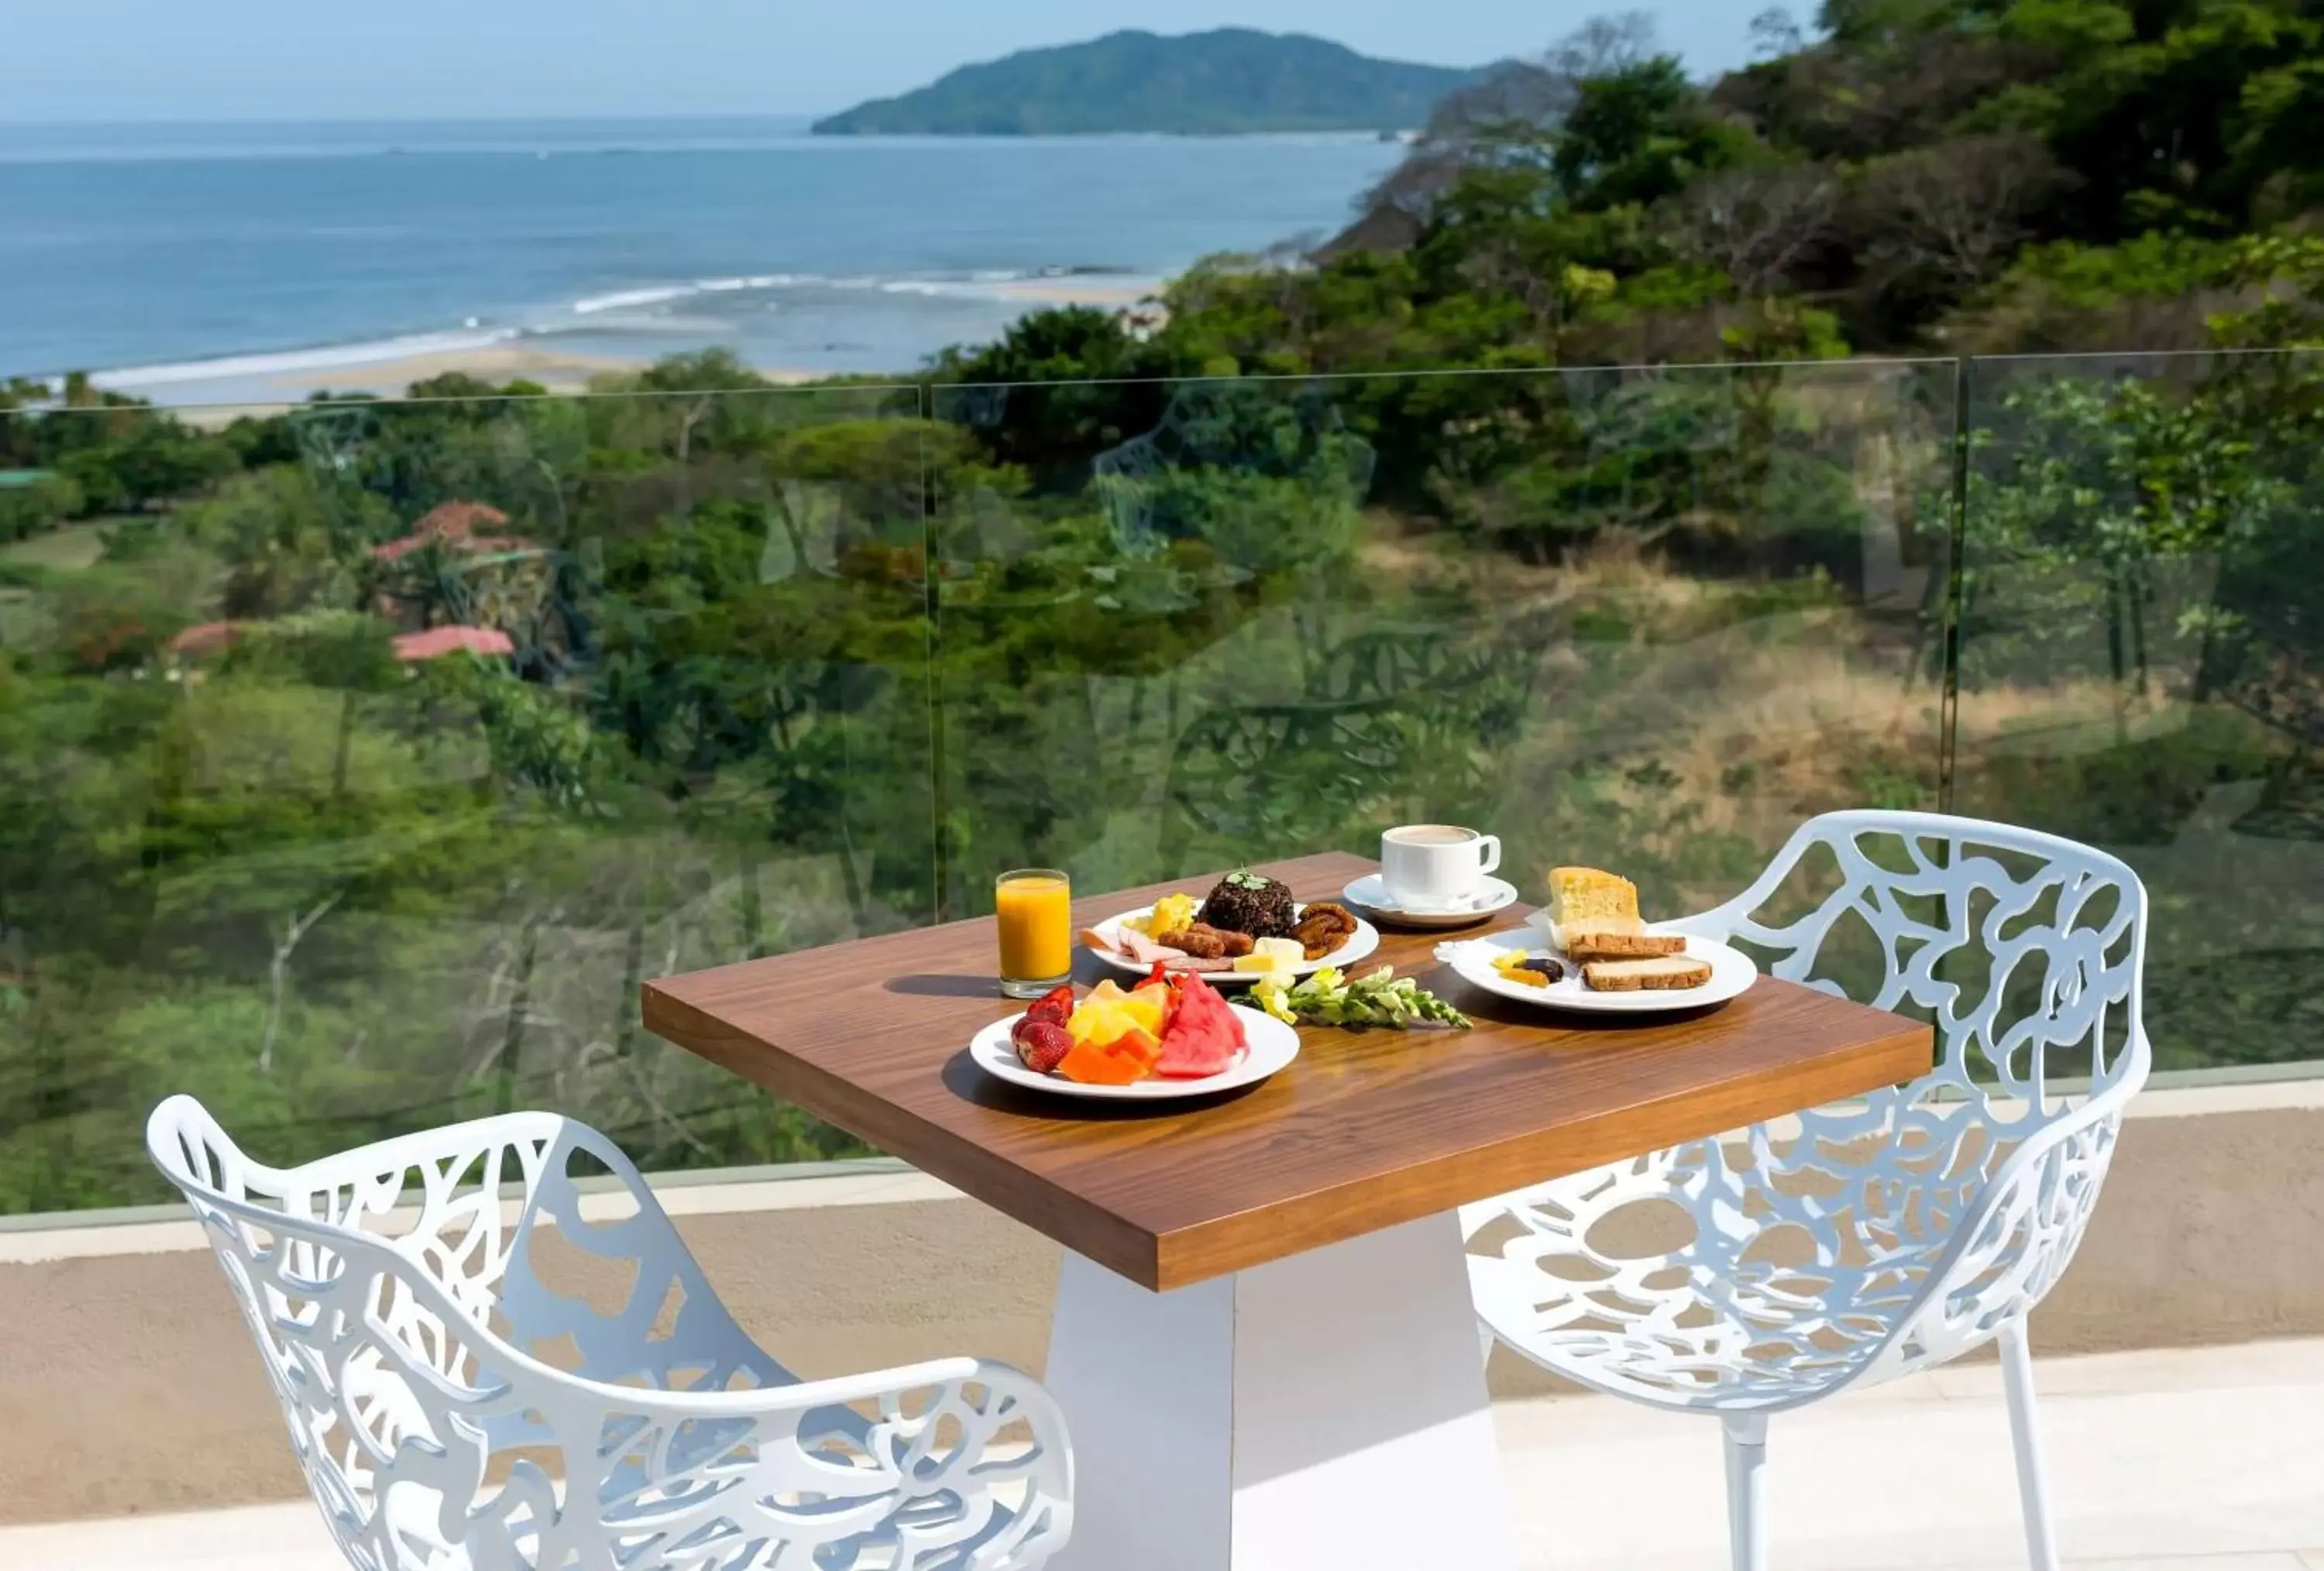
[(1371, 891)]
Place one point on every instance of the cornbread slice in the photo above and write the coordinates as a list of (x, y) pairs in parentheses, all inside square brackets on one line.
[(1594, 916), (1665, 973), (1601, 944), (1584, 899)]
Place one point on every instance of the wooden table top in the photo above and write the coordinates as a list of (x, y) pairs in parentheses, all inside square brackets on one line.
[(1364, 1131)]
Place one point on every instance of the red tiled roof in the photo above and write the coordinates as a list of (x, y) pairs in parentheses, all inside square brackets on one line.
[(205, 638), (438, 642), (455, 524), (459, 520)]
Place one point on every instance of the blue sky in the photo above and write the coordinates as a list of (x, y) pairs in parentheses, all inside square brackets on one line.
[(103, 60)]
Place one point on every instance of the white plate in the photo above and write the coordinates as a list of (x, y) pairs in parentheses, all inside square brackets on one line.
[(1371, 892), (1359, 943), (1732, 973), (1268, 1045)]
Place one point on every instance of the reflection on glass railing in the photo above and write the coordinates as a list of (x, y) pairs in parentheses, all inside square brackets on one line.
[(2142, 638), (1647, 618), (358, 762)]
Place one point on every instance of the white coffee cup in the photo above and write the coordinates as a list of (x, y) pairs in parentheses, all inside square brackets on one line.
[(1436, 864)]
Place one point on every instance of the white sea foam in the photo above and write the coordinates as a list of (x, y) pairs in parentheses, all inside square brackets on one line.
[(623, 297), (984, 282)]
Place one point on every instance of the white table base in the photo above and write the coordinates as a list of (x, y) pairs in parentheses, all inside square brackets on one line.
[(1325, 1412)]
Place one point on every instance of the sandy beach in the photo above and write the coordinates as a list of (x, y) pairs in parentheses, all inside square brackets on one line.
[(215, 401), (1074, 291), (556, 370), (560, 371)]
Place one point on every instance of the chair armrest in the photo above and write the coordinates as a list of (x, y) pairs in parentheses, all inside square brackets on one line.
[(959, 1456), (2016, 1241)]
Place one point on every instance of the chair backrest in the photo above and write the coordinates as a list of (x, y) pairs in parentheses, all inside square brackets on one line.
[(2028, 954), (2027, 951), (395, 1294)]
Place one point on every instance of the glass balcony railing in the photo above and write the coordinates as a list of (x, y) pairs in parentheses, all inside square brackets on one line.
[(1646, 617), (357, 785), (358, 760), (2142, 618)]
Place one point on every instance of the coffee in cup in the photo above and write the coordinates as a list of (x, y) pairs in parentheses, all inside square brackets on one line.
[(1436, 864)]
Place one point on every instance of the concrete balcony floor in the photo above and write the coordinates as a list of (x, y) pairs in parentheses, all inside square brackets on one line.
[(2200, 1459)]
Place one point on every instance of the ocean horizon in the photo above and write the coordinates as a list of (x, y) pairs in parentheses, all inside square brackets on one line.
[(244, 262)]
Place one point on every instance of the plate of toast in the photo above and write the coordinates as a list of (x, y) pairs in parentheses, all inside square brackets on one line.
[(1589, 949)]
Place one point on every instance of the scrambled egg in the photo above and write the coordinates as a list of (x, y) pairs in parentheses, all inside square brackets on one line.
[(1171, 914)]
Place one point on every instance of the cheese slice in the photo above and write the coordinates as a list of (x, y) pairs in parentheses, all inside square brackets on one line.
[(1277, 958)]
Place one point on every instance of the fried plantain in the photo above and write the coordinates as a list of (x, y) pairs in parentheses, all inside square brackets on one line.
[(1323, 928)]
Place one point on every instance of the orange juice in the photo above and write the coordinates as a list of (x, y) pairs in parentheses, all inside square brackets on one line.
[(1035, 908)]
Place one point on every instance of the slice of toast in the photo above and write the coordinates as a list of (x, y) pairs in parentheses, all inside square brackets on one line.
[(1589, 944), (1668, 972)]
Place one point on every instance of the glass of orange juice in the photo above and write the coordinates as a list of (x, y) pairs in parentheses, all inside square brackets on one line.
[(1035, 906)]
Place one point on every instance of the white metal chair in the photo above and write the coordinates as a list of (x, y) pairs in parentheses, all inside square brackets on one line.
[(1862, 1241), (455, 1412)]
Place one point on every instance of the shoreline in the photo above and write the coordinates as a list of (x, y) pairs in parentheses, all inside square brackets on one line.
[(558, 371), (1066, 291), (221, 402), (214, 394)]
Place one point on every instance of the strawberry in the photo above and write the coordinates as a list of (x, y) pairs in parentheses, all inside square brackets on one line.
[(1041, 1044), (1057, 1005)]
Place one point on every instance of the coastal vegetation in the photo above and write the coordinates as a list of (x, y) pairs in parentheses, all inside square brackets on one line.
[(1231, 81), (1986, 177), (358, 759)]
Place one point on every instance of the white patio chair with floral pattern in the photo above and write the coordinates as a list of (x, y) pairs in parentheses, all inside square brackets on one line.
[(1866, 1240), (453, 1411)]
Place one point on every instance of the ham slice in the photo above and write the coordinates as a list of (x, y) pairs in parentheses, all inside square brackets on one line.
[(1133, 945), (1145, 951)]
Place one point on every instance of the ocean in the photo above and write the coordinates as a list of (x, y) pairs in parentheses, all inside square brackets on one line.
[(222, 264)]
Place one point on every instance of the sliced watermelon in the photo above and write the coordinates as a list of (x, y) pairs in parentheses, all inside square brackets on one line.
[(1203, 1038)]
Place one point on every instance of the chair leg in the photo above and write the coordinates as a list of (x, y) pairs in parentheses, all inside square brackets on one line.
[(1747, 1495), (2025, 1437)]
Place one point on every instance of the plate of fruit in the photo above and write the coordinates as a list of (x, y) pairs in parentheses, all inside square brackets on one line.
[(1247, 929), (1172, 1036)]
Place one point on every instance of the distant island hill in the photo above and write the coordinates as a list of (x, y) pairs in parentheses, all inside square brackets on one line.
[(1234, 82)]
